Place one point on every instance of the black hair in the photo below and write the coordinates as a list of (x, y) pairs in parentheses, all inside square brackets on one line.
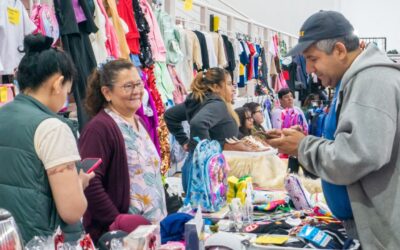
[(41, 61), (105, 76), (284, 92), (242, 118), (252, 106)]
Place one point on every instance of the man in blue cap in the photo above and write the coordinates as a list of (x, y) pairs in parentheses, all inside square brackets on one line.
[(358, 158)]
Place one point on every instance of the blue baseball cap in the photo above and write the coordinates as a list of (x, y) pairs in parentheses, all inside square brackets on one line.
[(320, 26)]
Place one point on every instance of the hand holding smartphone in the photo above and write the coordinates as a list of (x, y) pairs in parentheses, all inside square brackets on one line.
[(88, 165)]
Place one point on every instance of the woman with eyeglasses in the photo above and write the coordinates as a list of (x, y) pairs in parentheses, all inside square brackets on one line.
[(127, 190), (246, 122)]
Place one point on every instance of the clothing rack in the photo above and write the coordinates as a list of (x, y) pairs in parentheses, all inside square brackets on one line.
[(254, 28), (183, 21)]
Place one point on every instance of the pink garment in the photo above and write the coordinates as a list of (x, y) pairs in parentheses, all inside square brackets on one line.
[(179, 93), (128, 222), (112, 45), (80, 16), (156, 42)]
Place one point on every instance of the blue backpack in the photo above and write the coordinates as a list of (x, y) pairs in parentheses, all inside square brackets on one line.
[(207, 177)]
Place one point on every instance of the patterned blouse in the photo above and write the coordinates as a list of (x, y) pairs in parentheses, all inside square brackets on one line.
[(146, 188)]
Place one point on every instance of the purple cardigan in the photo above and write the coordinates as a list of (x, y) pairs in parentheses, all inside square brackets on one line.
[(108, 193)]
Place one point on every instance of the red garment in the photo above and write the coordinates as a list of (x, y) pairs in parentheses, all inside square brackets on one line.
[(151, 81), (125, 11), (128, 222), (162, 129), (250, 66), (286, 75)]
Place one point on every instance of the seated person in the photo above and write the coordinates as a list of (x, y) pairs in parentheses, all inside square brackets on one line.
[(39, 183), (258, 116), (127, 190), (208, 110), (246, 122)]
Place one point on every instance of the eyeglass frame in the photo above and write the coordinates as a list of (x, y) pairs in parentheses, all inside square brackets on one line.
[(131, 85)]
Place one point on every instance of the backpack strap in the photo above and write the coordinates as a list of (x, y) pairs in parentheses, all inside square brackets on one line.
[(339, 107)]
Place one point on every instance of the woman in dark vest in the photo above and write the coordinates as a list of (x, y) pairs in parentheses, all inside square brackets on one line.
[(39, 182)]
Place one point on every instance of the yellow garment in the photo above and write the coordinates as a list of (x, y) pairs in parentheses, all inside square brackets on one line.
[(119, 30), (237, 188)]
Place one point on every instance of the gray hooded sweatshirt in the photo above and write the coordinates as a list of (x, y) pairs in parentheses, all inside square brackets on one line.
[(365, 155)]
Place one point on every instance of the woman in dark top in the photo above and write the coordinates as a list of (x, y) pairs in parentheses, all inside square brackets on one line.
[(246, 122), (208, 110)]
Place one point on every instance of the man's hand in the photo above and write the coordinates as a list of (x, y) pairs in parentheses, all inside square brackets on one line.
[(288, 143)]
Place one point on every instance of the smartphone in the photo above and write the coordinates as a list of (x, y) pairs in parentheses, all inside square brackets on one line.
[(88, 165)]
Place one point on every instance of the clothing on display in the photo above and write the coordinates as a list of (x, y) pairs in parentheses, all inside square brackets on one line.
[(12, 31)]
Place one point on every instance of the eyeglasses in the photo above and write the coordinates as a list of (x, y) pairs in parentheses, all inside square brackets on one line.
[(258, 111), (129, 87), (249, 118)]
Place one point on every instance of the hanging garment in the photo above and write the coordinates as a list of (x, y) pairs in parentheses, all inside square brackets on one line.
[(164, 83), (156, 42), (125, 11), (75, 40), (182, 66), (193, 57), (149, 115), (99, 39), (12, 32), (236, 49), (220, 50), (230, 55), (212, 57), (250, 66), (203, 50), (171, 37), (45, 20), (257, 60), (162, 129), (179, 93), (145, 56), (119, 30), (112, 45)]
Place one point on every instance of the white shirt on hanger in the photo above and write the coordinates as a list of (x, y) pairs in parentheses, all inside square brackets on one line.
[(99, 39), (14, 25), (212, 57)]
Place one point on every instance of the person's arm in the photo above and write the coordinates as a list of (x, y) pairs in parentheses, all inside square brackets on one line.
[(94, 144), (364, 138), (173, 118), (56, 147), (206, 118), (67, 189)]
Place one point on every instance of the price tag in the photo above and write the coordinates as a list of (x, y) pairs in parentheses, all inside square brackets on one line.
[(3, 93), (14, 15), (188, 5)]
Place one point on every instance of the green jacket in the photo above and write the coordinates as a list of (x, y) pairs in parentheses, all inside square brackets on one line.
[(24, 186)]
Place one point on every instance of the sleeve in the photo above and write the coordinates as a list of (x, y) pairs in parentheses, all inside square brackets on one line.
[(207, 117), (29, 26), (197, 53), (364, 137), (173, 118), (276, 118), (93, 144), (221, 52), (305, 123), (55, 144)]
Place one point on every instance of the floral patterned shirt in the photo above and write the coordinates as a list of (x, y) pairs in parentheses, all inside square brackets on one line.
[(146, 188)]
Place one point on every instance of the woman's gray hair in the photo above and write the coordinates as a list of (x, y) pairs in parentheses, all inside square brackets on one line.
[(351, 42)]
